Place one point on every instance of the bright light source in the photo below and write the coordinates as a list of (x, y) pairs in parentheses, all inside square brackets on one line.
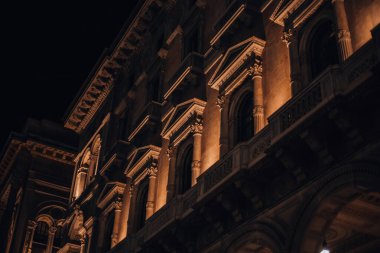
[(325, 249)]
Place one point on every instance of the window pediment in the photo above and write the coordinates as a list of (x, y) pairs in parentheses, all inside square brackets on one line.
[(109, 192), (295, 10), (235, 63), (179, 119), (141, 159)]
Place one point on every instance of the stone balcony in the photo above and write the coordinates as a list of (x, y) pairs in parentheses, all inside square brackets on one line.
[(329, 86)]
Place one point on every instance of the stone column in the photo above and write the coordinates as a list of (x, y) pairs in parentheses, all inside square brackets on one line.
[(116, 222), (196, 129), (290, 38), (83, 243), (50, 242), (80, 181), (152, 174), (343, 31), (172, 155), (123, 227), (222, 102), (256, 72), (28, 243)]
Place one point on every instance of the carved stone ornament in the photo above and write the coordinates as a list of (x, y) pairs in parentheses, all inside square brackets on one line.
[(170, 151), (152, 167), (220, 101), (258, 109), (288, 37), (52, 230), (256, 69), (343, 34), (197, 124), (32, 224), (196, 164), (118, 204)]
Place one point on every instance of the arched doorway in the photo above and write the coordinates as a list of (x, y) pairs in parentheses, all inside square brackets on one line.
[(344, 213)]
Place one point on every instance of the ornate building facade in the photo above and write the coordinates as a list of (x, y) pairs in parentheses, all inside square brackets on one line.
[(214, 126)]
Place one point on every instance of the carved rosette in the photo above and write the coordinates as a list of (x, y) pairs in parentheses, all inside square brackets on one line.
[(197, 125), (257, 69)]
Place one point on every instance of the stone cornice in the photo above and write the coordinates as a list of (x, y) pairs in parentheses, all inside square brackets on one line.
[(50, 152), (35, 148), (101, 83)]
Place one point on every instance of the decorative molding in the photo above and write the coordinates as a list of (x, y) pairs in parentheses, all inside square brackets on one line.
[(228, 24), (8, 158), (50, 152), (178, 124), (250, 48), (286, 8), (141, 160), (109, 192), (256, 69), (101, 83)]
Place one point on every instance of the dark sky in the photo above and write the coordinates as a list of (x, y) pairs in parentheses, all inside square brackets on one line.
[(48, 48)]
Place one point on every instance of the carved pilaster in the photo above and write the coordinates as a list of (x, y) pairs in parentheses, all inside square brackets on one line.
[(115, 232), (289, 37), (152, 173), (32, 225), (342, 33), (171, 153)]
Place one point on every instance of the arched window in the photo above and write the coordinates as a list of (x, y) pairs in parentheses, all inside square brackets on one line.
[(185, 170), (142, 197), (323, 50), (244, 118), (40, 238)]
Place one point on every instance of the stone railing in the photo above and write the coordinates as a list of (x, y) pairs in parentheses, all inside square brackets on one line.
[(336, 80)]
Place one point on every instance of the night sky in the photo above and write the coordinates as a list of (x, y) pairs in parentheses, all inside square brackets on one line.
[(48, 48)]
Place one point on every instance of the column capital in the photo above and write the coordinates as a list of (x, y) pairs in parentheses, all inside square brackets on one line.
[(196, 126), (256, 70), (343, 34), (288, 36), (118, 204), (131, 189), (152, 167), (170, 151), (52, 230), (32, 224), (258, 109), (221, 101)]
